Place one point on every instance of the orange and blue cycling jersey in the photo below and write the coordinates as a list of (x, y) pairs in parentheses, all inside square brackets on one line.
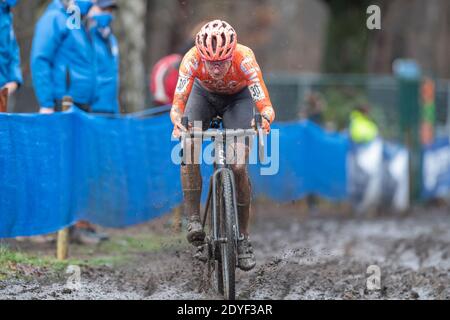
[(244, 72)]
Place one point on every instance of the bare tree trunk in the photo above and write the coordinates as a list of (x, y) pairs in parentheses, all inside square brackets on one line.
[(131, 22), (412, 29), (161, 22), (161, 19)]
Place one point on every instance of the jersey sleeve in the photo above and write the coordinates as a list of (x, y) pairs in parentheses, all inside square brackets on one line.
[(186, 77), (256, 84)]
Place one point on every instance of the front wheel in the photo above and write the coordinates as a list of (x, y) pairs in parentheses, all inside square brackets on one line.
[(228, 233)]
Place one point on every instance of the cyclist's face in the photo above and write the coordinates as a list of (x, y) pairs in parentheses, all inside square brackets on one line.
[(218, 69)]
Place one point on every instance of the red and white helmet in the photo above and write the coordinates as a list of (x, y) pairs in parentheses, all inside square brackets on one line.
[(216, 41)]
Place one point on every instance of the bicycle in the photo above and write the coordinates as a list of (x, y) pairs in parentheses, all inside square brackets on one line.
[(223, 235)]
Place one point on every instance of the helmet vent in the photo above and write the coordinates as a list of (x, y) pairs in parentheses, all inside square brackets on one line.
[(214, 43)]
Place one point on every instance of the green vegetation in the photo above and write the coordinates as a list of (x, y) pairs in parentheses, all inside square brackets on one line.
[(119, 250), (125, 245), (340, 101), (339, 104), (20, 264), (347, 37)]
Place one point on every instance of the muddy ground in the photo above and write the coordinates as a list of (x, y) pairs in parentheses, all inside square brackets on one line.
[(299, 257)]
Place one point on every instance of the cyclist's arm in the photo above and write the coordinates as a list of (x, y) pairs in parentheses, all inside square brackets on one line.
[(257, 86), (186, 77)]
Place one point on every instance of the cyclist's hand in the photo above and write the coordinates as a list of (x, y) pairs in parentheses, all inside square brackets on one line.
[(175, 116), (177, 129), (46, 111), (268, 116), (265, 125)]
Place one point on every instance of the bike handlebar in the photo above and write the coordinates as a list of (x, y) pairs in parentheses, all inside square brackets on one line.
[(214, 133)]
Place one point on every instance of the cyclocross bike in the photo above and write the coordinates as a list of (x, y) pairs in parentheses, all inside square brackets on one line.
[(222, 232)]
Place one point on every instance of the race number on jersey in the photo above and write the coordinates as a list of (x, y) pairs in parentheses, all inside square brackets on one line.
[(182, 84), (257, 92)]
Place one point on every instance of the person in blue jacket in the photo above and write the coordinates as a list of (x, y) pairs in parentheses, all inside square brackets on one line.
[(63, 58), (64, 63), (10, 73), (107, 51)]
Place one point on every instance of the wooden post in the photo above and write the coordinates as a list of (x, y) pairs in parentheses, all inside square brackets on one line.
[(66, 103), (3, 100), (62, 244)]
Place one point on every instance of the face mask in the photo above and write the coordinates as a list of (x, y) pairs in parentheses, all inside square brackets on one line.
[(10, 3), (84, 5), (103, 20)]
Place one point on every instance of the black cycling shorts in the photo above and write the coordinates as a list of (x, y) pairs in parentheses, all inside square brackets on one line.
[(236, 110)]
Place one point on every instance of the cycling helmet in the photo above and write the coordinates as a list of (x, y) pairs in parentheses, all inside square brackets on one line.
[(216, 41)]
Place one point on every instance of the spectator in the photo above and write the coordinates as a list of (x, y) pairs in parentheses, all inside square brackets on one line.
[(314, 108), (107, 51), (62, 58), (365, 163), (313, 111), (362, 128), (164, 76), (63, 63), (10, 73)]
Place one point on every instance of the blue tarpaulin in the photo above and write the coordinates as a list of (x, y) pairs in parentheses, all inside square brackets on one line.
[(436, 169), (118, 171), (311, 161)]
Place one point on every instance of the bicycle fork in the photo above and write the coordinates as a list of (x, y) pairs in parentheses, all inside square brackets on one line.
[(222, 169)]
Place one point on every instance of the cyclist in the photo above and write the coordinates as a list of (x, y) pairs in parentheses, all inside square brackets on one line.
[(64, 63), (219, 77), (63, 57)]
